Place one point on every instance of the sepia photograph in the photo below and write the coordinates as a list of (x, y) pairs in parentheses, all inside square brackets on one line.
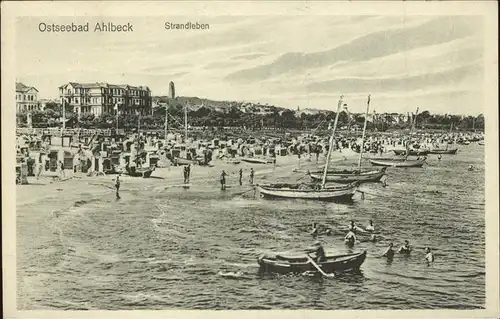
[(302, 159)]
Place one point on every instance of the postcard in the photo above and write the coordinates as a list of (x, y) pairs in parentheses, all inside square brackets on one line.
[(257, 159)]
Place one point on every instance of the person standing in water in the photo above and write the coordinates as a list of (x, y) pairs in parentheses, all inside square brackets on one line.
[(429, 257), (389, 253), (117, 186), (314, 231), (439, 157), (223, 180), (251, 176), (241, 176), (405, 249), (370, 227)]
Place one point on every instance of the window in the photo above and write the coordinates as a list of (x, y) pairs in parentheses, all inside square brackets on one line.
[(76, 100)]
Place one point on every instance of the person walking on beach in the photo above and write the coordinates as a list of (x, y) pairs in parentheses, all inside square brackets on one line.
[(251, 176), (61, 167), (223, 180), (241, 176), (117, 186), (188, 172)]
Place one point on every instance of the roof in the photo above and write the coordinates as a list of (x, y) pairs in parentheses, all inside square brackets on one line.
[(20, 87), (105, 85)]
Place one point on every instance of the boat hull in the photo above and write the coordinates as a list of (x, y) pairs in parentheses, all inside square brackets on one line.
[(397, 163), (146, 173), (327, 194), (333, 264), (184, 161), (256, 160), (443, 151), (412, 152), (351, 176)]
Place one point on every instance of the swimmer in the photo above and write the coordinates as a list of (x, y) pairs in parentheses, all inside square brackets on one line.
[(429, 256), (370, 226), (405, 249)]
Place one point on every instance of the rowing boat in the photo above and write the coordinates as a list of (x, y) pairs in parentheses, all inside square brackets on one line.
[(411, 152), (257, 160), (443, 151), (332, 264), (140, 172), (309, 191), (349, 176), (397, 162)]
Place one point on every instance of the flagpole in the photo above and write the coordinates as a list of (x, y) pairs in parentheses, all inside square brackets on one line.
[(116, 118), (166, 122)]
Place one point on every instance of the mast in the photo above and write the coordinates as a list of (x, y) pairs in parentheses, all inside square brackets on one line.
[(363, 136), (331, 141), (411, 130), (185, 123)]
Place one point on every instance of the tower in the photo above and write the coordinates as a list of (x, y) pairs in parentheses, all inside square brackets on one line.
[(171, 90)]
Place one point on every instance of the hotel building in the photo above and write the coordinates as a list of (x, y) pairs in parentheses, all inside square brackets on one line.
[(26, 98), (98, 98)]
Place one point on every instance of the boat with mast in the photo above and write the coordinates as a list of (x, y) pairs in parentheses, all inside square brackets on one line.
[(400, 162), (188, 160), (313, 190), (445, 150), (350, 175)]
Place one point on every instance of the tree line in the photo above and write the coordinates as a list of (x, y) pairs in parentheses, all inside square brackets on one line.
[(233, 116)]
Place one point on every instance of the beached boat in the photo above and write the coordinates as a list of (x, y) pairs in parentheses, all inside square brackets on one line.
[(443, 151), (349, 176), (300, 264), (232, 160), (480, 143), (397, 162), (184, 161), (257, 160), (411, 152), (309, 191), (140, 172), (314, 191)]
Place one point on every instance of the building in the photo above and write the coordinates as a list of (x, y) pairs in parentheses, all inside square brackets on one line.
[(98, 98), (26, 98)]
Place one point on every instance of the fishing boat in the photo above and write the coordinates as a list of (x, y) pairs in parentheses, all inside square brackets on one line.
[(480, 143), (232, 160), (412, 152), (443, 151), (349, 175), (140, 172), (400, 162), (300, 264), (309, 191), (196, 160), (397, 162), (314, 191), (257, 160)]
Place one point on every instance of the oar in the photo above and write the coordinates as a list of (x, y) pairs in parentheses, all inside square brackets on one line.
[(319, 269)]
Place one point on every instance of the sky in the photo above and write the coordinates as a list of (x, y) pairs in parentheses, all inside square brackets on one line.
[(404, 62)]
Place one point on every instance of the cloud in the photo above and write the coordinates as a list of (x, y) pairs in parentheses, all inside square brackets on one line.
[(373, 45)]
